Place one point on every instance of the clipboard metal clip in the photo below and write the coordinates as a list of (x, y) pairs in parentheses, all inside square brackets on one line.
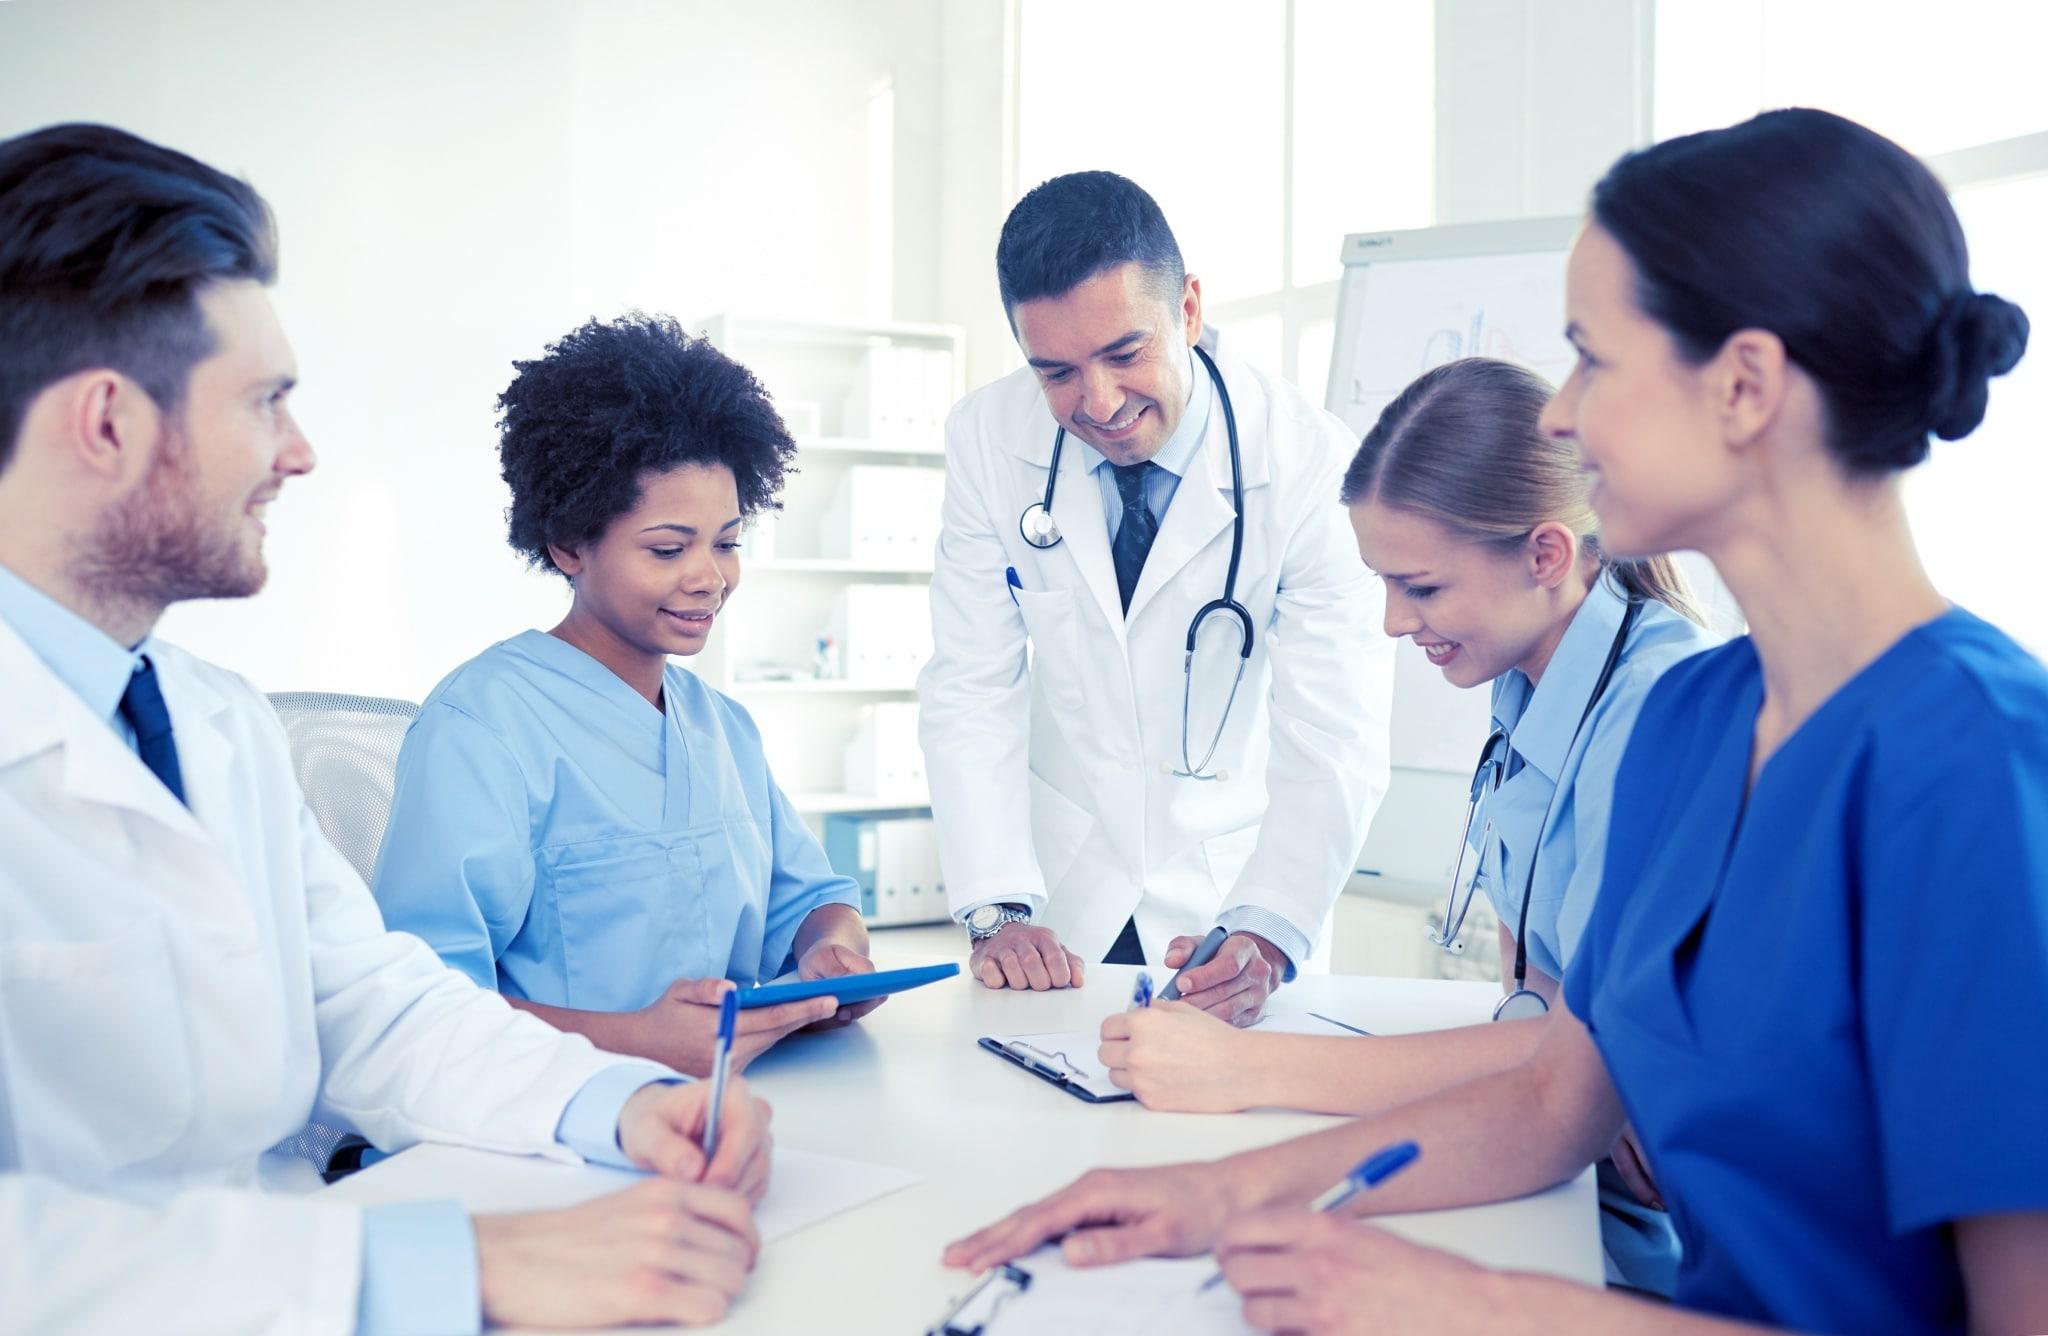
[(975, 1312), (1044, 1063)]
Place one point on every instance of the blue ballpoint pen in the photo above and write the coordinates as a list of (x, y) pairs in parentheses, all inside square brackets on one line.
[(728, 1018), (1015, 584), (1372, 1171)]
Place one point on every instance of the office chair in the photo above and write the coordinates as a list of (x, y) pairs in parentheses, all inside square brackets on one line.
[(345, 753)]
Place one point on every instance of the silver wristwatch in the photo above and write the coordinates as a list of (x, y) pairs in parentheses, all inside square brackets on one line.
[(989, 920)]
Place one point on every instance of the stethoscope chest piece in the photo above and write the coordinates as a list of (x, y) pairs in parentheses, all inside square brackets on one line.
[(1038, 526)]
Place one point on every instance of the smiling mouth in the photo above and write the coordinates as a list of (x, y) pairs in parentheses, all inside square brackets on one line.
[(1118, 428), (1439, 655), (697, 619)]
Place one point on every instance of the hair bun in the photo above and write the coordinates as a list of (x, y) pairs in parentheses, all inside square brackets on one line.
[(1976, 336)]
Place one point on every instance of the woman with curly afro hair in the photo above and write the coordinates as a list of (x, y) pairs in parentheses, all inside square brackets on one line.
[(580, 822)]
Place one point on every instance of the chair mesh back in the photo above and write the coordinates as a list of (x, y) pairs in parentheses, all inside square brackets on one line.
[(345, 751)]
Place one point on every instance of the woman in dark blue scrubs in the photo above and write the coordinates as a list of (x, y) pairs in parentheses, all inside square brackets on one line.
[(1816, 977)]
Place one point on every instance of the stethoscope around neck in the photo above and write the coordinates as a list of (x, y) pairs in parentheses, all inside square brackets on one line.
[(1523, 1001), (1042, 531)]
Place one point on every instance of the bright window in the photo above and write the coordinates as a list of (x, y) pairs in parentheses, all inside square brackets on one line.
[(1976, 503), (1186, 99), (1937, 79), (1934, 77), (1267, 132)]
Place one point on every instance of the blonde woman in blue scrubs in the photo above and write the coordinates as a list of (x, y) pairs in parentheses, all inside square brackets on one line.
[(578, 821), (1478, 524), (1816, 978)]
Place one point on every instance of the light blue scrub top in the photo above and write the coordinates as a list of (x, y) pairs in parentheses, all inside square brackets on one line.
[(556, 838), (1641, 1248), (1825, 1006), (1539, 721)]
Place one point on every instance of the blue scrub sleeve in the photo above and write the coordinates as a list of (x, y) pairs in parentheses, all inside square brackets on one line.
[(802, 880), (456, 868), (1955, 958), (419, 1271)]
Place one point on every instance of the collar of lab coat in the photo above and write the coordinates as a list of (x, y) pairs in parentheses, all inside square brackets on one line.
[(1248, 402), (39, 713), (1197, 515)]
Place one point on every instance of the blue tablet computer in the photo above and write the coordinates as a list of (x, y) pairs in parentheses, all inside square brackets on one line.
[(848, 987)]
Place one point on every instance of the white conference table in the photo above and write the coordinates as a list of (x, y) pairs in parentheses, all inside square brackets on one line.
[(908, 1087)]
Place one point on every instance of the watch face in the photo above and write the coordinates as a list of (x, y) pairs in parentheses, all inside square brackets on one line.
[(984, 918)]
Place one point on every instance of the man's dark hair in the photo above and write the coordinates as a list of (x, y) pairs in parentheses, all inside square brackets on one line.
[(105, 241), (1073, 227), (617, 399)]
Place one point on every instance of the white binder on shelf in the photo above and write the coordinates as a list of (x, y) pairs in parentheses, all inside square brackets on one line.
[(884, 759), (884, 515), (884, 633)]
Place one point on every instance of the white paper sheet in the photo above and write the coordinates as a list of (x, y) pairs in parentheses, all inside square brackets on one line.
[(1151, 1297), (1072, 1052), (806, 1187)]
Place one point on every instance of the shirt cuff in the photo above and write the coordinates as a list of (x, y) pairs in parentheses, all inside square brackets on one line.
[(419, 1271), (1034, 903), (1267, 924), (590, 1122)]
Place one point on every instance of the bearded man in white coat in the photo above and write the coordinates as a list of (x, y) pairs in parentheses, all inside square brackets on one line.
[(1102, 792), (188, 970)]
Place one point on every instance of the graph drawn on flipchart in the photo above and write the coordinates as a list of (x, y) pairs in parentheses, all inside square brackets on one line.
[(1404, 317)]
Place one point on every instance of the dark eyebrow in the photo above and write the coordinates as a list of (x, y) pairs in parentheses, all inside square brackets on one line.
[(689, 532), (1114, 345)]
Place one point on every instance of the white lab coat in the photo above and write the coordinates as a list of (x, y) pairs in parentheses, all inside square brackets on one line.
[(1082, 734), (177, 987)]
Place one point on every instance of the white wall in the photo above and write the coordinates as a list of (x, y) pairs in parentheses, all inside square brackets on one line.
[(457, 183)]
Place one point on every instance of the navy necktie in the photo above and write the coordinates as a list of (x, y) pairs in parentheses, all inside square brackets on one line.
[(1134, 534), (142, 705)]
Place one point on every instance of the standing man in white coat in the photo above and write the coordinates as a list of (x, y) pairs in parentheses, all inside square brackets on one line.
[(187, 968), (1101, 793)]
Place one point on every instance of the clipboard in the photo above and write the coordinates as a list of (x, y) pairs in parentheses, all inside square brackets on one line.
[(975, 1311), (1067, 1058), (1051, 1066), (1041, 1293)]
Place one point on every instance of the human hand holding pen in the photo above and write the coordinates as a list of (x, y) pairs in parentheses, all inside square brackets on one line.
[(713, 1132), (1374, 1170), (1230, 975)]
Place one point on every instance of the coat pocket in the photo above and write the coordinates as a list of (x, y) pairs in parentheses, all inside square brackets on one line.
[(94, 1057), (1058, 658)]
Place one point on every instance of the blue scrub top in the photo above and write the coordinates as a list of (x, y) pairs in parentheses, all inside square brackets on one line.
[(1825, 1007), (1539, 721), (555, 837)]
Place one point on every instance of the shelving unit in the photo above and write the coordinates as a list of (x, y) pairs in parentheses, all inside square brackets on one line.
[(832, 385)]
